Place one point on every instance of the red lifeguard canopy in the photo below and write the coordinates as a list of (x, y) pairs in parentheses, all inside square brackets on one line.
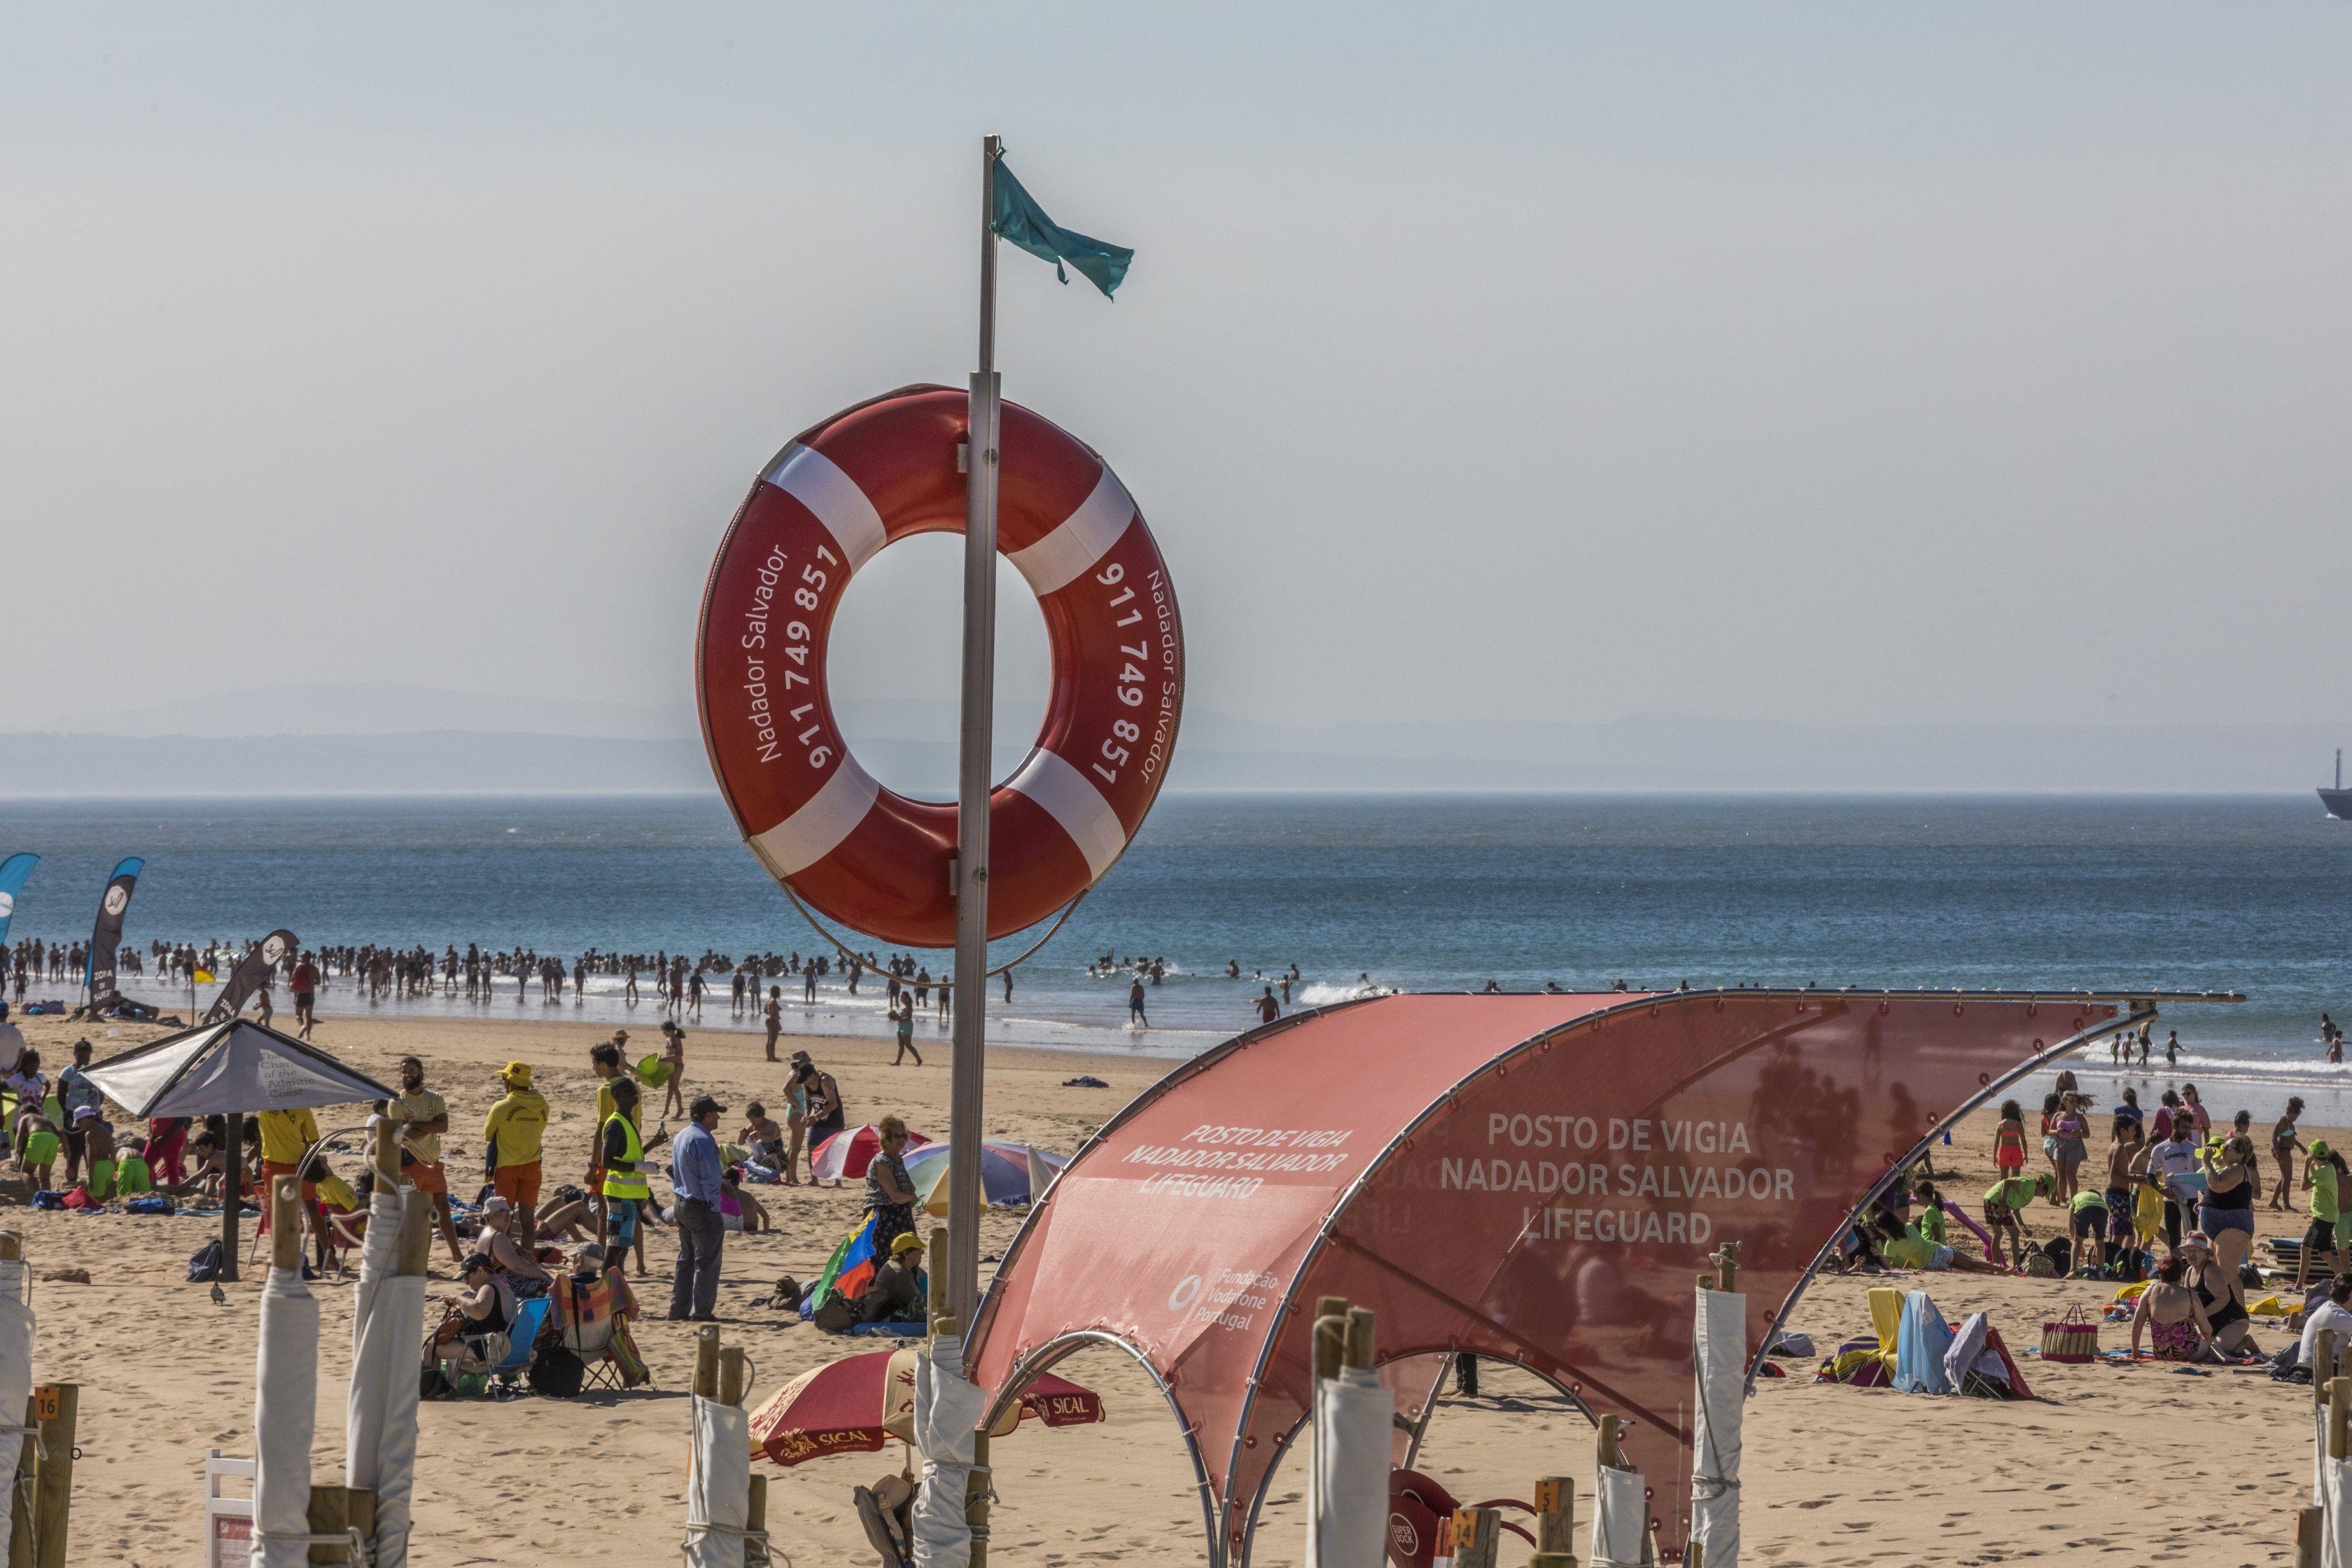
[(1537, 1178)]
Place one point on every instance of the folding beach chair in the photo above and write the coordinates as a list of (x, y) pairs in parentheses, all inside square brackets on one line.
[(522, 1339), (588, 1325)]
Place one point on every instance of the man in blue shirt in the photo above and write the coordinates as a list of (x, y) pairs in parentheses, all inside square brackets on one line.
[(695, 1173)]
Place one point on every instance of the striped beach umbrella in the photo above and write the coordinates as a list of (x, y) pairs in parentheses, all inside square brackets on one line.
[(846, 1155), (857, 1403), (1011, 1174)]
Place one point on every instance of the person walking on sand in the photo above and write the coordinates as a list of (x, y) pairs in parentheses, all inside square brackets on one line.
[(824, 1110), (305, 983), (2285, 1145), (1135, 1014), (902, 1017), (774, 1014), (696, 1176), (515, 1129), (424, 1116), (673, 1057)]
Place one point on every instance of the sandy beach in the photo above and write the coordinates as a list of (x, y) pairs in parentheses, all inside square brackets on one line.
[(1833, 1475)]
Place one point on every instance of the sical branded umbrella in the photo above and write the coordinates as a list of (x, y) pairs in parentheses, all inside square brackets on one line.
[(857, 1404), (1011, 1174), (846, 1155)]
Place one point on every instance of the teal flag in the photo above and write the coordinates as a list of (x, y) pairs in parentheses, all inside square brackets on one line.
[(1020, 219)]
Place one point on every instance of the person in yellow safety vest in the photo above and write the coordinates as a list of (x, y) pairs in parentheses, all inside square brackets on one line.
[(626, 1188)]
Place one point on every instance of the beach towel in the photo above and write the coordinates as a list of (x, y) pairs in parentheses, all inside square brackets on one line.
[(1886, 1317), (1919, 1356)]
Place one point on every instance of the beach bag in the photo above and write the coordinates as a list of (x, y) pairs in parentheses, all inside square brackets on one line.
[(556, 1371), (836, 1316), (78, 1197), (2072, 1339), (204, 1264), (148, 1206), (49, 1198)]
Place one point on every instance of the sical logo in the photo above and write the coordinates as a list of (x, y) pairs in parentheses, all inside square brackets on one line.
[(116, 898), (1187, 1292)]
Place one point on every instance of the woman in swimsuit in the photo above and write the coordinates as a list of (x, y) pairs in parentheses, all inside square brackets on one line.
[(2226, 1320), (2068, 1132), (2285, 1145), (2169, 1312), (2008, 1139), (2226, 1212), (2050, 1129)]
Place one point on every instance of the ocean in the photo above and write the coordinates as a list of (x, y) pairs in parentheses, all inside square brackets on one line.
[(1417, 892)]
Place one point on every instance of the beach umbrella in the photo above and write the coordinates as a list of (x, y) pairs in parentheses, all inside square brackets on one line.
[(857, 1404), (387, 1325), (227, 1069), (1009, 1174), (846, 1155)]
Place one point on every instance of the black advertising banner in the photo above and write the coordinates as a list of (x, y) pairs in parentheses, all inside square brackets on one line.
[(251, 972), (106, 937)]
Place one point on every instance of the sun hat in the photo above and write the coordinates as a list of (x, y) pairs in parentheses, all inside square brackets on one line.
[(82, 1111), (497, 1204), (2319, 1146), (517, 1074), (2197, 1239), (907, 1241)]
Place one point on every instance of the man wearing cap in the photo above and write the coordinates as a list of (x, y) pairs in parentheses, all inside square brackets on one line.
[(514, 1127), (695, 1173)]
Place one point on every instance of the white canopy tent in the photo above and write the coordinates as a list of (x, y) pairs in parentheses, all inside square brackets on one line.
[(229, 1069)]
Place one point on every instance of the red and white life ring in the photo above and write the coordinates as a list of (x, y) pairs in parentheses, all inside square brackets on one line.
[(868, 857)]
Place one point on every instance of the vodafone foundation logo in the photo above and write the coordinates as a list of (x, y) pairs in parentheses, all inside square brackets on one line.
[(1187, 1292)]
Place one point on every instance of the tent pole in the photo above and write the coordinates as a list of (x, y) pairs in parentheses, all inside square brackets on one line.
[(972, 780), (232, 1194)]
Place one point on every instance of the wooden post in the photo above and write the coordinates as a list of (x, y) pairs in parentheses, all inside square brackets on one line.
[(732, 1374), (1609, 1451), (387, 1153), (416, 1233), (755, 1521), (1330, 1337), (2307, 1526), (232, 1194), (936, 1263), (331, 1514), (1691, 1554), (1475, 1537), (55, 1404), (1555, 1523), (1360, 1348), (286, 1224), (706, 1362), (2339, 1402), (2323, 1356), (1726, 1266), (975, 1498), (361, 1509)]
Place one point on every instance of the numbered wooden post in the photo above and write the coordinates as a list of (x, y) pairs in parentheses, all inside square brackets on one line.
[(1476, 1537), (54, 1408), (1555, 1523)]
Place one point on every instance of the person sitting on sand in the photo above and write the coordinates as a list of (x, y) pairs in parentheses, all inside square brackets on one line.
[(2330, 1316), (739, 1209), (2004, 1201), (2169, 1315), (133, 1177), (1922, 1245), (763, 1137), (2227, 1323), (899, 1292), (210, 1170), (568, 1216), (498, 1239)]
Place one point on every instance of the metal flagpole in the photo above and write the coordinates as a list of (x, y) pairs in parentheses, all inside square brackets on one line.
[(973, 785)]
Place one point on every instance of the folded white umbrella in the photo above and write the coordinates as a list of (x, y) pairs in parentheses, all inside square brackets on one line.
[(380, 1415), (16, 1372), (1721, 1349), (1620, 1519), (947, 1411), (1347, 1474), (284, 1415), (717, 1485)]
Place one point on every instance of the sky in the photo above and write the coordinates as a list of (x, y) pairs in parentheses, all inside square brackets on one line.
[(1831, 363)]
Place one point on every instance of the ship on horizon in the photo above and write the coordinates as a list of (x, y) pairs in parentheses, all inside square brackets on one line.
[(2338, 801)]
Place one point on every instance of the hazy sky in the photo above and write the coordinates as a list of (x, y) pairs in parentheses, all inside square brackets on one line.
[(1866, 362)]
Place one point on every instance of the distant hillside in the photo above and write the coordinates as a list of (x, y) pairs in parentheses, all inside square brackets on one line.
[(911, 744)]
